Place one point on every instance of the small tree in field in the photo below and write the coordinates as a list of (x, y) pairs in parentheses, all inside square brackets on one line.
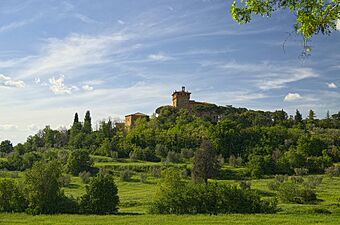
[(101, 196), (43, 187), (205, 163)]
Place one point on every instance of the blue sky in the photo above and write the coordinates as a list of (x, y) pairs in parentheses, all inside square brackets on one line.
[(116, 57)]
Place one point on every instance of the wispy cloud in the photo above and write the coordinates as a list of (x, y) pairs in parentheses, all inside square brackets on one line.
[(290, 97), (279, 80), (75, 51), (159, 57), (9, 82)]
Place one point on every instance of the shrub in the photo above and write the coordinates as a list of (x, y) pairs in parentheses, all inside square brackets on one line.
[(11, 197), (175, 196), (101, 196), (187, 153), (235, 161), (296, 191), (173, 157), (85, 177), (300, 171), (245, 185), (156, 171), (333, 171), (145, 154), (125, 175)]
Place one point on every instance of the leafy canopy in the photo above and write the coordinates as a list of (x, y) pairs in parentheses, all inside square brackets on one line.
[(312, 16)]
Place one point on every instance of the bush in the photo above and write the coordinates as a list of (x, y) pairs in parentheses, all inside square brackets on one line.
[(245, 185), (175, 196), (126, 175), (333, 171), (187, 153), (145, 154), (11, 197), (235, 161), (85, 177), (101, 196), (173, 157), (296, 191), (301, 171)]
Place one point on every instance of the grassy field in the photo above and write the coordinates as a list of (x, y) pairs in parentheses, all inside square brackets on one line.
[(136, 196)]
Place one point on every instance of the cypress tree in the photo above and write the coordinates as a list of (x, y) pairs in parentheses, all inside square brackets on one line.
[(87, 128)]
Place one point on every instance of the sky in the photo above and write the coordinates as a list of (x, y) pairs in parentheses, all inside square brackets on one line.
[(116, 57)]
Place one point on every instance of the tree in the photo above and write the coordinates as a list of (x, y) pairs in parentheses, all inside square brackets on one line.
[(312, 16), (101, 196), (43, 188), (78, 161), (298, 117), (6, 146), (11, 197), (205, 164), (87, 129)]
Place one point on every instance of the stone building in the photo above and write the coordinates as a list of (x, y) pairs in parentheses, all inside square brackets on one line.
[(130, 120), (181, 99)]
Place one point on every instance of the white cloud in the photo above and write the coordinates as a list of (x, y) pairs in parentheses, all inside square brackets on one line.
[(292, 97), (159, 57), (8, 127), (58, 87), (73, 52), (9, 82), (87, 88), (279, 80), (331, 85)]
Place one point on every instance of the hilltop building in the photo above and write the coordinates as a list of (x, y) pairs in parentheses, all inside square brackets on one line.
[(181, 99), (130, 120)]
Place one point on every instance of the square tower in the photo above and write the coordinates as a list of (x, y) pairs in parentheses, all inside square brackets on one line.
[(181, 99)]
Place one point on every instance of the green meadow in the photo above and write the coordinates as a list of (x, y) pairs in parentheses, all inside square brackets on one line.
[(136, 196)]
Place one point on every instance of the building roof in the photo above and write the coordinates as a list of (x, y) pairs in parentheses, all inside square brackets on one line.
[(137, 114)]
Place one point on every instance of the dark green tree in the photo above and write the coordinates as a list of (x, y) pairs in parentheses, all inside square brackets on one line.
[(43, 188), (87, 128), (6, 146), (11, 197), (205, 164), (101, 196), (78, 161), (298, 117)]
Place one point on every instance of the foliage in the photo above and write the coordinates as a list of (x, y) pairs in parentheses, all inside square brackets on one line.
[(311, 16), (11, 197), (6, 146), (205, 164), (177, 197), (297, 190), (43, 188), (101, 196), (79, 161)]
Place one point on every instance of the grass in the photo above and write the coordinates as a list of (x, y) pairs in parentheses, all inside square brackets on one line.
[(235, 219), (135, 198)]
